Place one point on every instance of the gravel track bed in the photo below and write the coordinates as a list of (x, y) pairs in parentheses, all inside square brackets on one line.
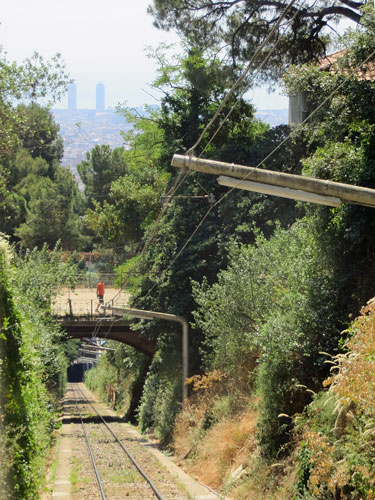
[(120, 478)]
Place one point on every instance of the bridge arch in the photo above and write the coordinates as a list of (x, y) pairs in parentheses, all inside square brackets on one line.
[(106, 328)]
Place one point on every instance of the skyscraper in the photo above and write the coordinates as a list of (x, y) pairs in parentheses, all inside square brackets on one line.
[(72, 97), (100, 97)]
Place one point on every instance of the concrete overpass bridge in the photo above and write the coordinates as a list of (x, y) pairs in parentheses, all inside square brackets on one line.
[(76, 312), (108, 328)]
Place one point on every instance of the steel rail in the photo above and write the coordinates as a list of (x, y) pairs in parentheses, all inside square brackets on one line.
[(139, 469), (93, 461)]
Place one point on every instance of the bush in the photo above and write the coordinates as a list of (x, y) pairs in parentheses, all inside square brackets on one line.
[(159, 402), (32, 368), (336, 454), (266, 315)]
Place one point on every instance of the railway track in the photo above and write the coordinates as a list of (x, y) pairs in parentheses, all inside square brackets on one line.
[(121, 467)]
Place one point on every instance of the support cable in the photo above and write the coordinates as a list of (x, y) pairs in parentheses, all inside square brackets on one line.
[(227, 193), (243, 75), (183, 176)]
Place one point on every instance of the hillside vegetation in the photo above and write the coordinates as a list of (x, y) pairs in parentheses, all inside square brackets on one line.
[(331, 449), (33, 366), (269, 286)]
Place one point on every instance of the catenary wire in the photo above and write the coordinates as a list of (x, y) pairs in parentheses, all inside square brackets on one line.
[(241, 94), (298, 127), (238, 82), (179, 181), (243, 75)]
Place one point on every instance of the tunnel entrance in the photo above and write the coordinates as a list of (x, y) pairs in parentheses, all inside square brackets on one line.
[(76, 372)]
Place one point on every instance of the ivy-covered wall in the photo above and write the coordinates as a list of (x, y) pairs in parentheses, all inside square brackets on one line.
[(32, 368)]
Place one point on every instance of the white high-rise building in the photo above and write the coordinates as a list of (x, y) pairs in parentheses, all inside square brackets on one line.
[(100, 97), (72, 97)]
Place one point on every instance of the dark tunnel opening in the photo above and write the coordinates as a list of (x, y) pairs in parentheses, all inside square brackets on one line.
[(76, 372)]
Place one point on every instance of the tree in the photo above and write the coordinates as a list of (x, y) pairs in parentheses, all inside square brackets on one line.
[(32, 80), (133, 200), (242, 25), (28, 126), (343, 153), (39, 133), (102, 166), (192, 88), (51, 210)]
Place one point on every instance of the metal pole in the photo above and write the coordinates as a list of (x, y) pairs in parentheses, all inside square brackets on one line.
[(346, 192), (138, 313)]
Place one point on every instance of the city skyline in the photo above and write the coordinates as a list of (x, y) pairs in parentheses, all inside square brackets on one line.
[(109, 49)]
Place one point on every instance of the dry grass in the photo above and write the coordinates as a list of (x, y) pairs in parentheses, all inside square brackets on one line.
[(338, 458), (212, 433), (225, 447), (347, 459), (228, 447)]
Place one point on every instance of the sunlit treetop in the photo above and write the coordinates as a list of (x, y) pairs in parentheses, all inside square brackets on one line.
[(240, 26)]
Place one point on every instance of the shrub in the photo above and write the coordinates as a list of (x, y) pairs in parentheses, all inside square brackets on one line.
[(31, 369), (337, 452), (265, 317), (159, 402)]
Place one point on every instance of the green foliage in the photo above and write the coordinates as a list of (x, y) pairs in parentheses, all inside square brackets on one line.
[(51, 212), (100, 169), (125, 186), (101, 378), (34, 79), (343, 153), (263, 311), (43, 202), (40, 273), (118, 378), (39, 133), (39, 200), (71, 349), (159, 403), (239, 27), (126, 273), (193, 85), (32, 367)]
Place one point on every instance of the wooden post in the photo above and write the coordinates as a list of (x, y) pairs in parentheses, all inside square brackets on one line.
[(345, 192)]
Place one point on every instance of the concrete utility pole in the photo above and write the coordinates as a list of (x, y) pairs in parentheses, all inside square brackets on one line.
[(137, 313), (327, 192)]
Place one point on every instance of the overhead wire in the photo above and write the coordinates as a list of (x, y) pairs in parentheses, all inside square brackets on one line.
[(177, 184), (183, 176), (297, 128), (213, 119), (243, 75), (220, 107)]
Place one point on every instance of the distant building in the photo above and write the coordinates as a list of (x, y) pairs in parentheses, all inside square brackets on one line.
[(100, 97), (299, 105), (72, 97)]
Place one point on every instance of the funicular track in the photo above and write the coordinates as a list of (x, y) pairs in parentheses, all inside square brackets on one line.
[(140, 490)]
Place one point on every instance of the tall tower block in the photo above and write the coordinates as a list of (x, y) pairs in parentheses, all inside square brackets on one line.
[(100, 97), (72, 97)]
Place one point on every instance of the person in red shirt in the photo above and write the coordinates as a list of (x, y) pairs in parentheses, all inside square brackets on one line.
[(100, 293)]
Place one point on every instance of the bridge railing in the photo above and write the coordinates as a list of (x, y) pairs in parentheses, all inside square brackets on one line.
[(83, 301), (90, 279)]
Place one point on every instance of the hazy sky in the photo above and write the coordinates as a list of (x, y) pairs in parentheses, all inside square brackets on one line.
[(101, 41)]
